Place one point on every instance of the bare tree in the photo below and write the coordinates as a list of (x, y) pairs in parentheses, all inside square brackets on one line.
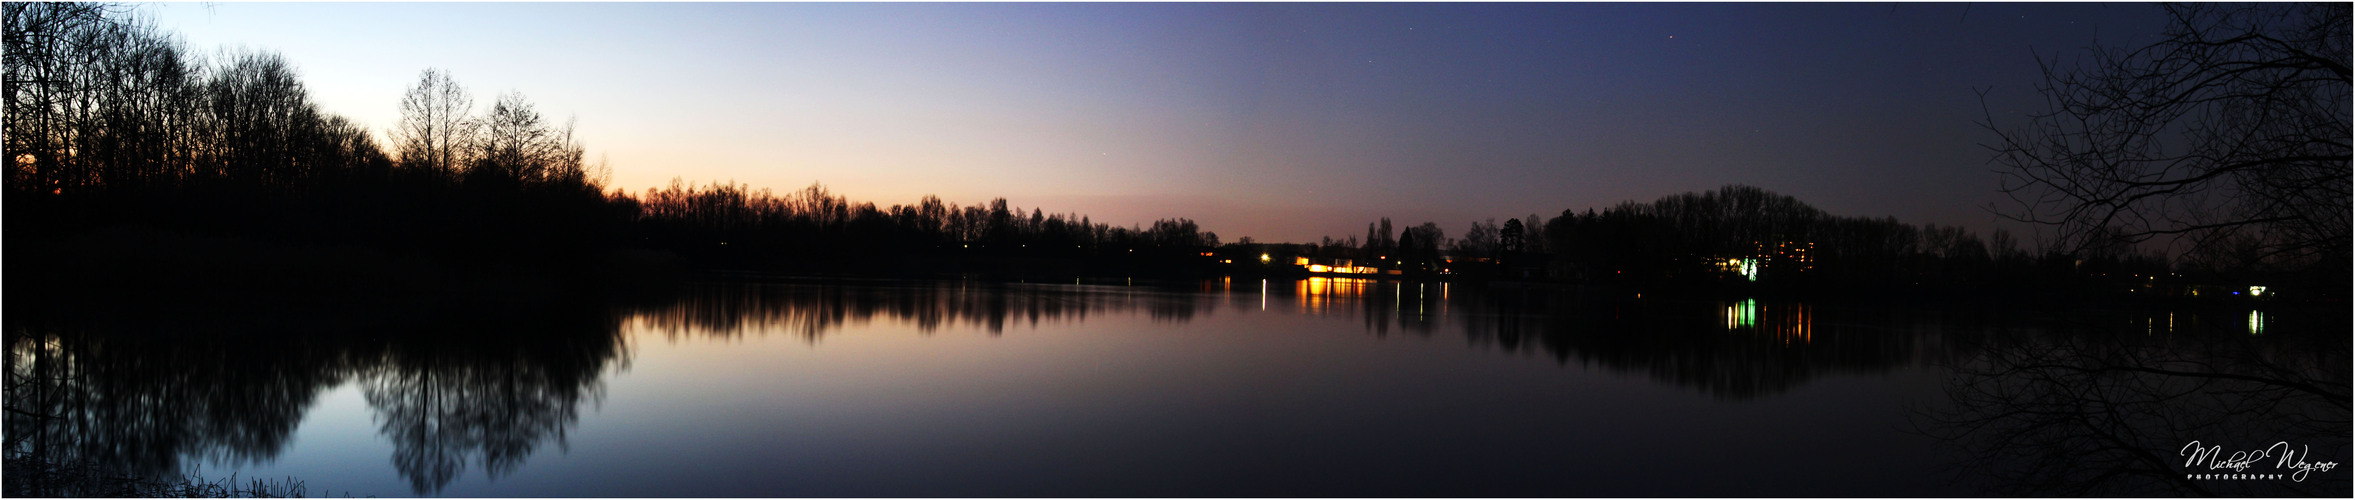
[(513, 142), (1482, 240), (2231, 130), (435, 129), (259, 111)]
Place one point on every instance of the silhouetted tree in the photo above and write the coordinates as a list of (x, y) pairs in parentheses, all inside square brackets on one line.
[(436, 131), (1378, 239), (514, 144), (1509, 238), (1533, 234), (1480, 241), (2232, 129)]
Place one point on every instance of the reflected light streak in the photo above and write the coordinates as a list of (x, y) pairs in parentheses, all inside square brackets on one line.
[(1743, 314), (1317, 293), (1787, 322)]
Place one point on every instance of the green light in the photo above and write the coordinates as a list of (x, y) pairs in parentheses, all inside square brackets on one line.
[(1742, 315)]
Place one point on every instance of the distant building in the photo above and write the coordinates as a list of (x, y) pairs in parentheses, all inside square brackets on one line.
[(1763, 258), (1337, 266)]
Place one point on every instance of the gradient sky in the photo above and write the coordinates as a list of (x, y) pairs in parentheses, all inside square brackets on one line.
[(1283, 122)]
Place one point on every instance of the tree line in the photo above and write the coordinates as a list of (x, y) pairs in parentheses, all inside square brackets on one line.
[(113, 123), (1697, 239), (813, 229)]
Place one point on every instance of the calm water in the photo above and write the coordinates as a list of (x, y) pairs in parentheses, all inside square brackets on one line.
[(1233, 387)]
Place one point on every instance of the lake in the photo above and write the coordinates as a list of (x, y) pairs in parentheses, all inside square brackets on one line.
[(1231, 387)]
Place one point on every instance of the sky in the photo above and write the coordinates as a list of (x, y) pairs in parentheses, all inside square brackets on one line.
[(1281, 122)]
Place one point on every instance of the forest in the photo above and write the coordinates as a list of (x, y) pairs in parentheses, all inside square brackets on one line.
[(131, 156)]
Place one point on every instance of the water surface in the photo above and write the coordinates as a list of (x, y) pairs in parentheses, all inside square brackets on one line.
[(1231, 387)]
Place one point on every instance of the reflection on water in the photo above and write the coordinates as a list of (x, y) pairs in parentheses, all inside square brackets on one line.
[(1740, 350), (147, 404), (2095, 409), (485, 392), (1732, 350), (2089, 404), (489, 400), (812, 311)]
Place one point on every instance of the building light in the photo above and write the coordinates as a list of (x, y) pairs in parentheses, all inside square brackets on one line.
[(1300, 261), (2256, 291), (1264, 258)]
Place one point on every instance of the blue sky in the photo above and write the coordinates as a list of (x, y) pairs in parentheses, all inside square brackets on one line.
[(1277, 121)]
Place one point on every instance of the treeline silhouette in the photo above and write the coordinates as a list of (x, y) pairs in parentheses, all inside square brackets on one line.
[(815, 231), (113, 127), (126, 150), (1687, 238), (1697, 241)]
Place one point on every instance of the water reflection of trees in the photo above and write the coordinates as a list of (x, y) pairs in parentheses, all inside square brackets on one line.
[(488, 397), (813, 310), (488, 389), (1734, 350), (144, 404), (484, 390), (2103, 405)]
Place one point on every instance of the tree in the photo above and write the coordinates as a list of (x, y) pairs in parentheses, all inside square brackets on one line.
[(1510, 238), (2230, 131), (1533, 234), (1481, 240), (1428, 240), (512, 142), (260, 111), (435, 129)]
